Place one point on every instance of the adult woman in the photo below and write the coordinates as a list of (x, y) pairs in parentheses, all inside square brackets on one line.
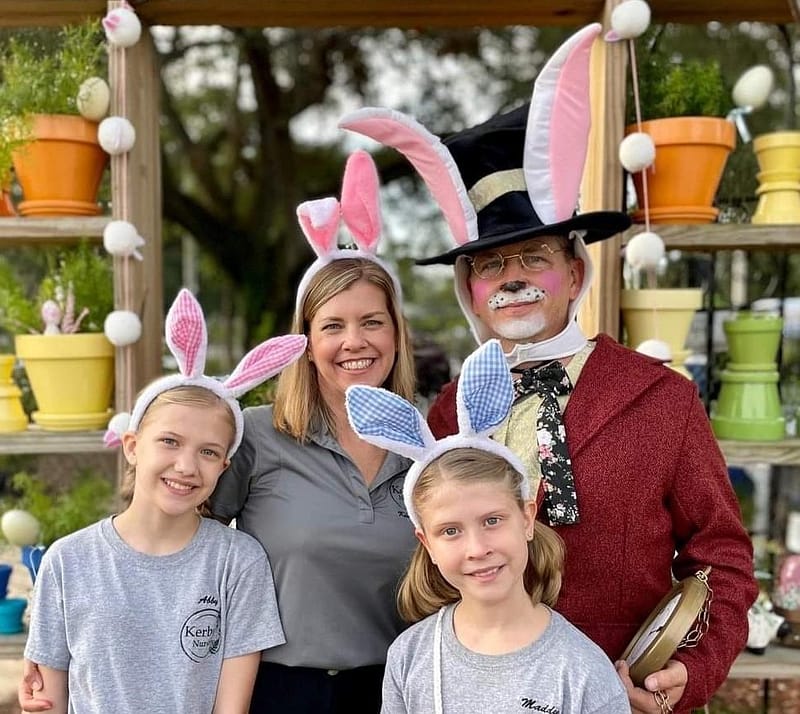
[(326, 505)]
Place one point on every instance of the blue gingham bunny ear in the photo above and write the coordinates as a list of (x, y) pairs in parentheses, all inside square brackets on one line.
[(484, 399)]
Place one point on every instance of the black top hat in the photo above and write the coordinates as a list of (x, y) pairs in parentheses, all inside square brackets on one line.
[(495, 149), (515, 176)]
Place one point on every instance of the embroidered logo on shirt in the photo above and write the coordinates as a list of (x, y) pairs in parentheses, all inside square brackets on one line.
[(201, 635), (396, 492), (537, 706)]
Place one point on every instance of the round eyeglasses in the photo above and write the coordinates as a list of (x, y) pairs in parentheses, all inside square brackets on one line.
[(532, 257)]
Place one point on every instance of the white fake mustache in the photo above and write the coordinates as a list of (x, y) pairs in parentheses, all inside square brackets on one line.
[(504, 299)]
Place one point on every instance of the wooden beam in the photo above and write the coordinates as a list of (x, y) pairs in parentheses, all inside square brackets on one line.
[(382, 13), (602, 181), (724, 236)]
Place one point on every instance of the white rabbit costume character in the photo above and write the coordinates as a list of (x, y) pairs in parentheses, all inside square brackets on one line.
[(198, 595), (428, 669)]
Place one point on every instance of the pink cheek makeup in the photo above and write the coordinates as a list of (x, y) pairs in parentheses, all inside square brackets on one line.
[(480, 292)]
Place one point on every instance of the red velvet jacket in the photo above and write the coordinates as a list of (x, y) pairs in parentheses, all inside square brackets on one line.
[(651, 481)]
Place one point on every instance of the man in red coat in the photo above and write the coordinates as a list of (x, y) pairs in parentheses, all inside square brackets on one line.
[(632, 478)]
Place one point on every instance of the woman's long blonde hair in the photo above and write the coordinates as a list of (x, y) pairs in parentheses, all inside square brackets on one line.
[(298, 403), (423, 589)]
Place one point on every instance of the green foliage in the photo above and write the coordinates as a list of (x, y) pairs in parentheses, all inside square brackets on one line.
[(83, 270), (88, 499), (38, 78), (681, 89)]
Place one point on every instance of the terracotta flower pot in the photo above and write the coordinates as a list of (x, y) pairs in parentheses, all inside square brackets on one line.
[(61, 169), (778, 155), (690, 157)]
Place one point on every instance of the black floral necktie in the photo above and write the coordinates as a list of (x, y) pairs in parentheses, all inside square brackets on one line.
[(550, 381)]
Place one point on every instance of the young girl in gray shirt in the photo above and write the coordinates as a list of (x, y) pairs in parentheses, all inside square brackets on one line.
[(484, 576)]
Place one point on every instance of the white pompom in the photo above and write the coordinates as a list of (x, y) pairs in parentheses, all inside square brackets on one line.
[(637, 151), (657, 349), (753, 87), (122, 27), (644, 251), (116, 135), (20, 527), (122, 327), (119, 423), (94, 98), (630, 19), (122, 239)]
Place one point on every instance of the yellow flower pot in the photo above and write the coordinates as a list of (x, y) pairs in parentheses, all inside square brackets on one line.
[(778, 192), (661, 314), (72, 378), (12, 415)]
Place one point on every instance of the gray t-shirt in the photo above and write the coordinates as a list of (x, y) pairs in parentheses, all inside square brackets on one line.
[(562, 672), (141, 633), (337, 547)]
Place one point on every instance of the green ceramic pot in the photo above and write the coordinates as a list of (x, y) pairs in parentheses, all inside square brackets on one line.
[(749, 407), (753, 341)]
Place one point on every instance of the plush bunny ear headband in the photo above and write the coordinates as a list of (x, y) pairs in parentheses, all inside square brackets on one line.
[(359, 210), (483, 400), (187, 340)]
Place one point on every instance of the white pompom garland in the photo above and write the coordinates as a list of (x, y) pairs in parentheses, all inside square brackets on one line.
[(122, 327), (116, 135)]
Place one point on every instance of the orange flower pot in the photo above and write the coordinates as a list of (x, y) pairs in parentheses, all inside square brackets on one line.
[(690, 157), (61, 169)]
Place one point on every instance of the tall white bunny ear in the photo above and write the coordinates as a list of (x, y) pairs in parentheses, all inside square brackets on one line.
[(360, 200), (429, 156), (264, 362), (485, 391), (557, 134), (319, 220), (186, 334), (387, 420)]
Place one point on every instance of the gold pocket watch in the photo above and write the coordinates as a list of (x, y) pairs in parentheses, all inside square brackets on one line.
[(679, 620)]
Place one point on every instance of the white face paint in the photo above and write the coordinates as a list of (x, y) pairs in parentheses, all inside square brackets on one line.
[(504, 299), (522, 328)]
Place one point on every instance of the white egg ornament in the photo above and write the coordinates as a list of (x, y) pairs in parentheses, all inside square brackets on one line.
[(645, 251), (657, 349), (116, 135), (122, 327), (753, 87), (94, 98), (637, 151), (121, 238), (20, 527), (117, 426), (122, 27), (629, 19)]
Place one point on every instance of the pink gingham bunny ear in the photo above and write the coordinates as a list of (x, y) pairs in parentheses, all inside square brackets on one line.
[(360, 203), (186, 334), (484, 399), (187, 339), (319, 221), (264, 362)]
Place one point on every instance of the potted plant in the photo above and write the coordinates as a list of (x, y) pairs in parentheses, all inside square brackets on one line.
[(59, 338), (683, 105), (57, 158)]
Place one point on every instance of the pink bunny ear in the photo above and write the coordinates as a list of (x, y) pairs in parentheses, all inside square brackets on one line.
[(319, 220), (186, 334), (265, 361), (557, 135), (360, 203)]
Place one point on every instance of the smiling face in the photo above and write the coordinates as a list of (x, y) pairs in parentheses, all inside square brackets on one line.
[(352, 340), (178, 454), (526, 302), (477, 535)]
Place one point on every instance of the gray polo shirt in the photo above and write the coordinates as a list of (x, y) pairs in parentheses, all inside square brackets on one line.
[(337, 547)]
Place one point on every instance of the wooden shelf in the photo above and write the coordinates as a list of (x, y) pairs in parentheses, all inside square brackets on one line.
[(16, 232), (382, 13), (723, 236), (777, 662), (13, 646), (778, 453), (38, 441)]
